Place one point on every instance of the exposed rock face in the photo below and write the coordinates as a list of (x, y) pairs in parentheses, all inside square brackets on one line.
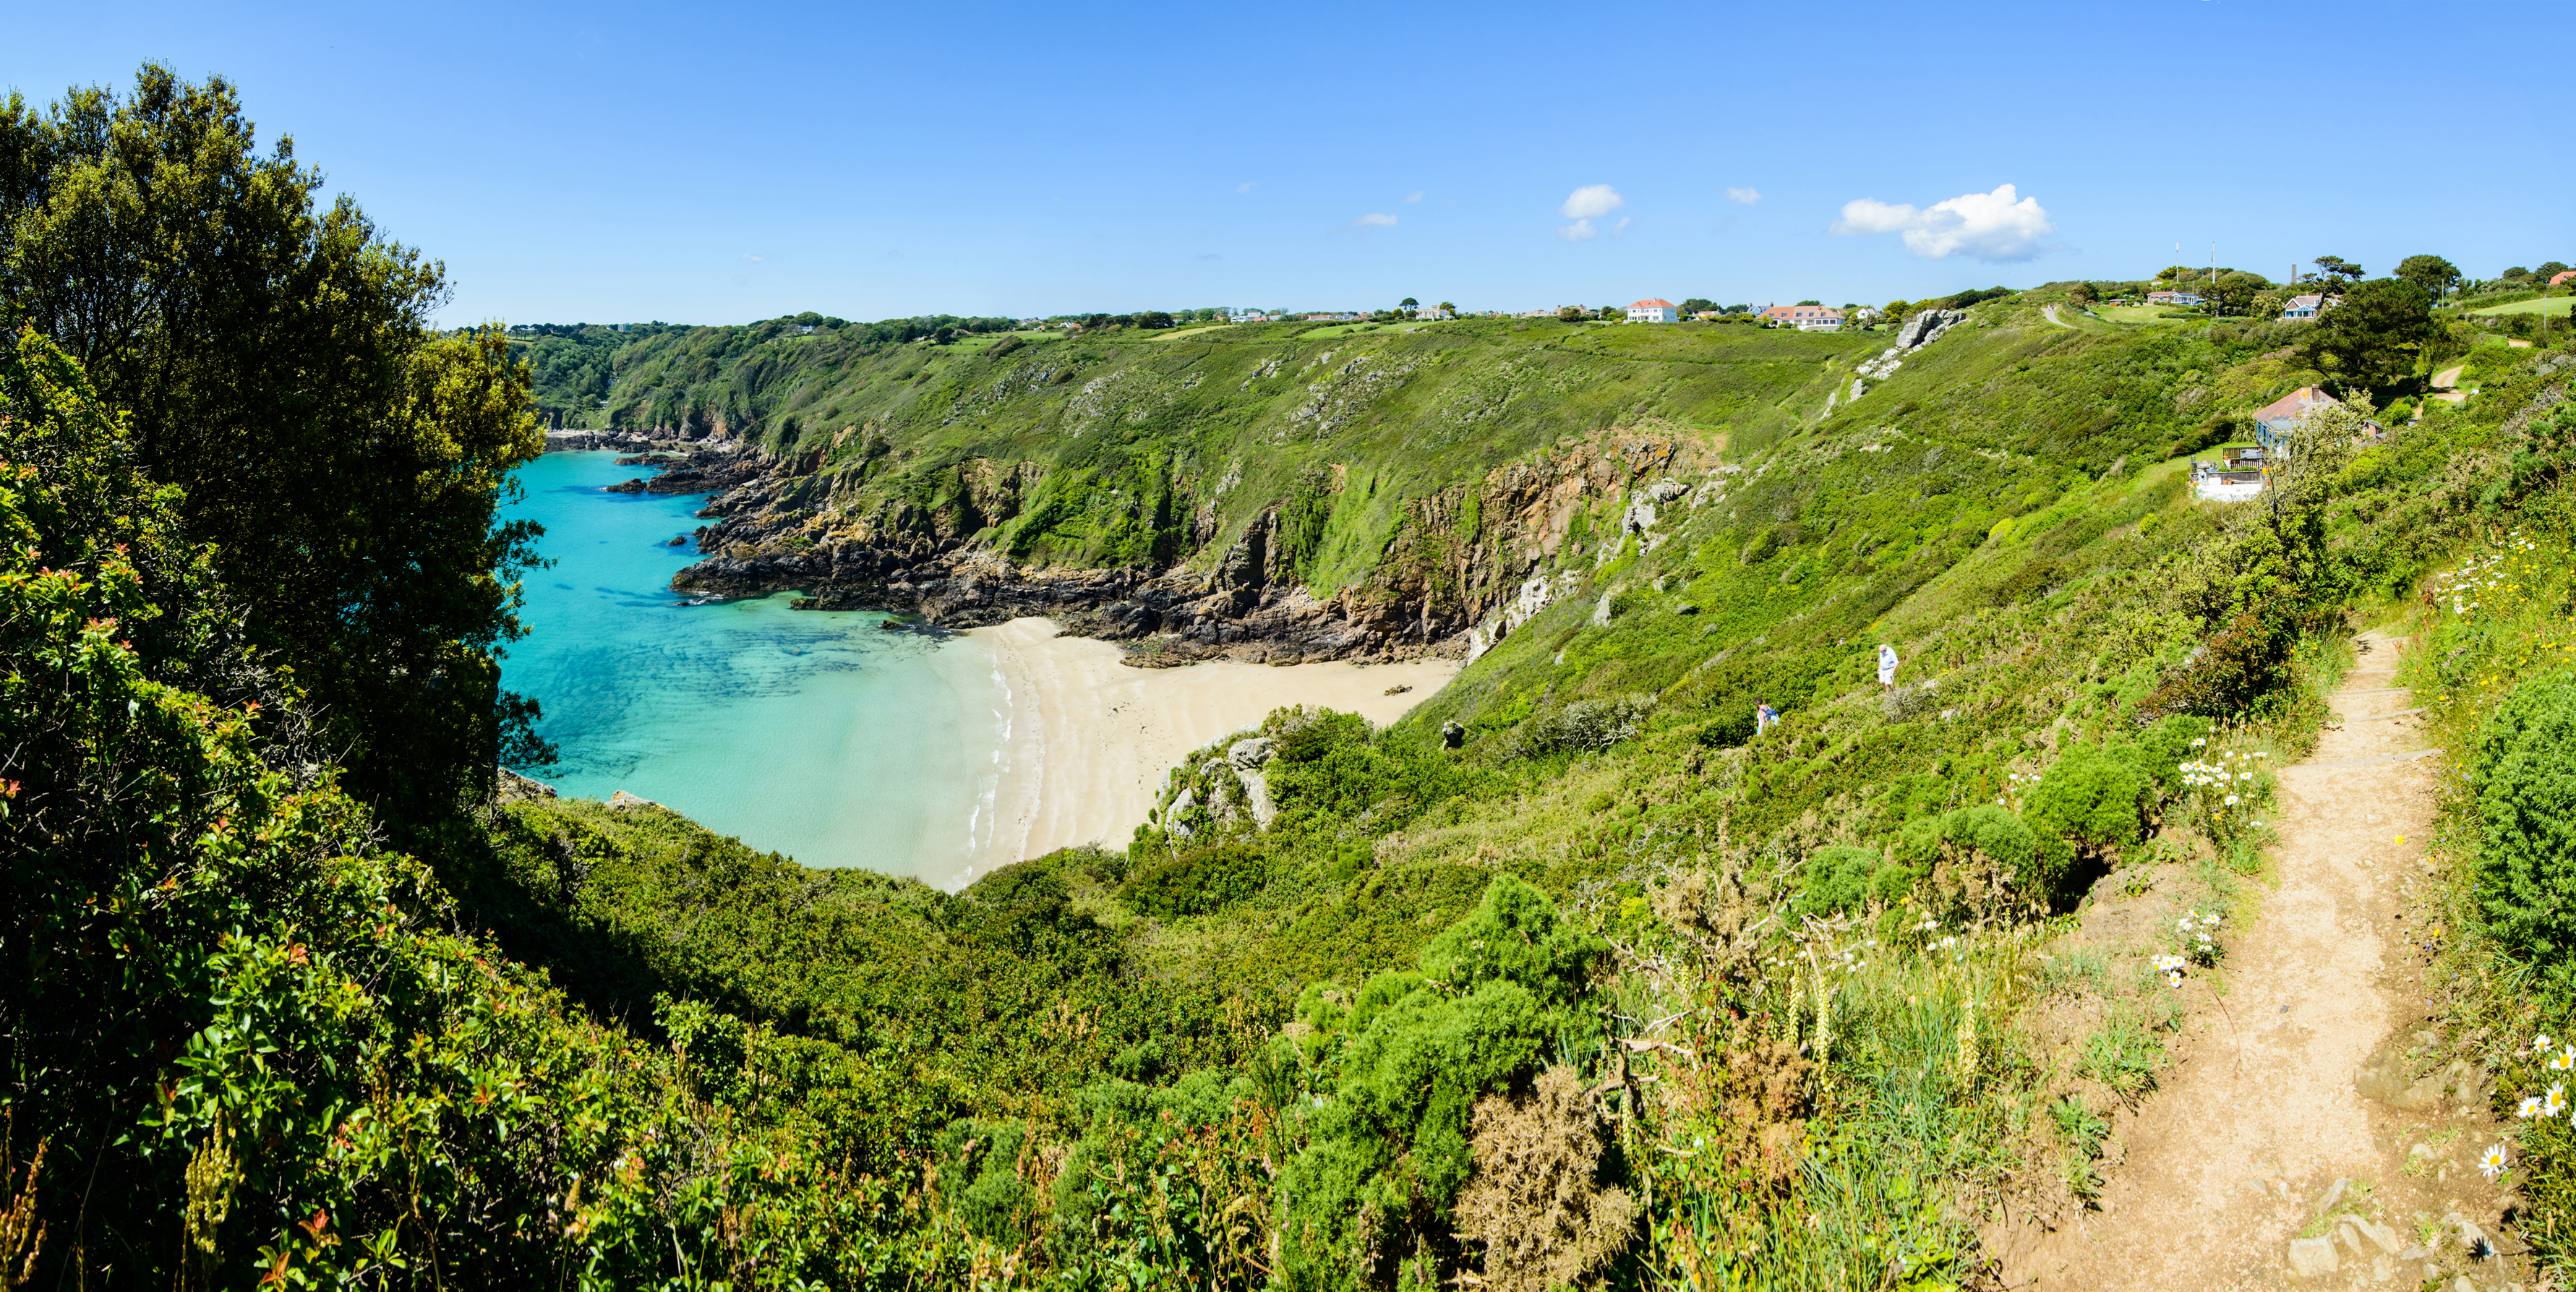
[(1925, 328), (1458, 570)]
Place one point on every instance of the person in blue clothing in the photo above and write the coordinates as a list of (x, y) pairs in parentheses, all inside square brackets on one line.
[(1764, 717)]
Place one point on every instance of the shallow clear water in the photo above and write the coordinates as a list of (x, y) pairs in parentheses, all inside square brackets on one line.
[(817, 735)]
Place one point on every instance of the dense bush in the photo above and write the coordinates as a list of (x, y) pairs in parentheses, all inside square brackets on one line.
[(1980, 847), (1839, 878), (1401, 1070), (1196, 882), (2092, 798), (2525, 778)]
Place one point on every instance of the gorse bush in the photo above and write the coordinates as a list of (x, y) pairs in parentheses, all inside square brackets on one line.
[(1400, 1071), (2525, 781), (1196, 882)]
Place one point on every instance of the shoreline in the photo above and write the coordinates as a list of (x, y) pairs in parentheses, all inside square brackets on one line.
[(1086, 740)]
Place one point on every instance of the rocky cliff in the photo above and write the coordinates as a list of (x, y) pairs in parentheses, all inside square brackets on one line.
[(1463, 565)]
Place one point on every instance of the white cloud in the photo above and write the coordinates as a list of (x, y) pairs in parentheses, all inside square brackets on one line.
[(753, 258), (1620, 230), (1987, 226), (1374, 220), (1743, 196), (1591, 200), (1415, 196), (1579, 231), (1244, 187)]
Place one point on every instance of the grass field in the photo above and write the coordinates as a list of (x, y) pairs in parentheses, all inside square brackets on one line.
[(1346, 329), (2132, 313), (2556, 307)]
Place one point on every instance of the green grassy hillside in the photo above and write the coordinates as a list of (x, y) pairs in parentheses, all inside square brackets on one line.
[(1796, 961)]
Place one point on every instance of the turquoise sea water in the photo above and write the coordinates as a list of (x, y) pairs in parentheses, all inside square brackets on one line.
[(814, 734)]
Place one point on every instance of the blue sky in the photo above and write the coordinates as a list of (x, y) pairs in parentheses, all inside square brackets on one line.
[(720, 164)]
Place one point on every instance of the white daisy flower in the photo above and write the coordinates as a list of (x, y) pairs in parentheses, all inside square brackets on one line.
[(2491, 1162)]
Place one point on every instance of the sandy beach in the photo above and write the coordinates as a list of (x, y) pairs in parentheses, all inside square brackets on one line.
[(1090, 739)]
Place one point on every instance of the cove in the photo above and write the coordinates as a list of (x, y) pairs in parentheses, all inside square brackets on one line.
[(813, 734)]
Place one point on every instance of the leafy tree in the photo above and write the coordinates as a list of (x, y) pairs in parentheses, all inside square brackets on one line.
[(2371, 338), (2432, 273), (2516, 274), (1898, 309), (344, 461), (1811, 302), (2234, 292), (1697, 305), (2337, 267), (2549, 269), (1408, 303), (2173, 273), (1448, 307)]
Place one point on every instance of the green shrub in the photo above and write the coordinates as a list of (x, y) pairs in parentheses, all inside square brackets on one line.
[(1986, 838), (1198, 881), (1838, 878), (979, 1172), (2092, 798), (1388, 1147), (2525, 777)]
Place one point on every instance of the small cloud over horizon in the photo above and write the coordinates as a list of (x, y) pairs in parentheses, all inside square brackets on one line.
[(1743, 196), (1582, 205), (1374, 220), (2000, 226), (1415, 195), (752, 258)]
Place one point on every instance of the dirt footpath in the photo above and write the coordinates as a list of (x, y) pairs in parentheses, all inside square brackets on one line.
[(2258, 1119)]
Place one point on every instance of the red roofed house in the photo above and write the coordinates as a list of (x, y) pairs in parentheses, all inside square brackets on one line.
[(1806, 318), (2562, 276), (1651, 310), (2274, 420)]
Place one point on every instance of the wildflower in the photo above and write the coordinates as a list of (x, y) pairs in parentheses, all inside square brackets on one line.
[(2564, 1060), (2491, 1162), (2555, 1102), (2529, 1108), (2231, 800)]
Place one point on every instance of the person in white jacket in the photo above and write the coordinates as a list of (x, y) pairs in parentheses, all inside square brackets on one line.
[(1887, 666)]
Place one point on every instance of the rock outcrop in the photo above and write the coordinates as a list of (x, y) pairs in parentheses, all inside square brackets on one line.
[(1460, 569)]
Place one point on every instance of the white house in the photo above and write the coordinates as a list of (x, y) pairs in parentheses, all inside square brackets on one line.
[(1432, 314), (2178, 298), (1806, 318), (1654, 311), (2304, 307)]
